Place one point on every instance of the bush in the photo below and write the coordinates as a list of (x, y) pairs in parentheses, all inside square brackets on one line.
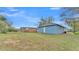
[(12, 30), (76, 33), (3, 31)]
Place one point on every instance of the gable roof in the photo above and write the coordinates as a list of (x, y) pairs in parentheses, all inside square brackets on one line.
[(66, 26), (61, 25)]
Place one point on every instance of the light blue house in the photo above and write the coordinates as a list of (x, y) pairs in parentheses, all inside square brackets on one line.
[(53, 29)]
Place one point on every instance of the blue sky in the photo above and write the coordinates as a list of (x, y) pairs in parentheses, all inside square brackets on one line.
[(29, 16)]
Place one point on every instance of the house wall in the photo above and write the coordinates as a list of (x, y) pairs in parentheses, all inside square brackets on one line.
[(51, 29), (28, 30), (40, 30)]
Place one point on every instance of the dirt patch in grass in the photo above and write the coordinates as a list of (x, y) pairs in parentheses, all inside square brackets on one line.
[(38, 42)]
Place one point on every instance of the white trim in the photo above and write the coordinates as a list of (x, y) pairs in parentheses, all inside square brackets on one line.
[(44, 29)]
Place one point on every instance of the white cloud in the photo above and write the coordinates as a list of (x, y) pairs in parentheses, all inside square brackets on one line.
[(13, 14), (12, 9), (25, 17), (31, 18), (55, 8), (7, 14)]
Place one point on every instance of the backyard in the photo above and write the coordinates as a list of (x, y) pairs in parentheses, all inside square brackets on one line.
[(20, 41)]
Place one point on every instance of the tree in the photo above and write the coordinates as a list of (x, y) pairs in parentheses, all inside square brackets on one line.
[(2, 18), (42, 22), (49, 20), (68, 15), (4, 25)]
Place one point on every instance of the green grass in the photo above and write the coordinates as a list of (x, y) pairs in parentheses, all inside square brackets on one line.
[(19, 41)]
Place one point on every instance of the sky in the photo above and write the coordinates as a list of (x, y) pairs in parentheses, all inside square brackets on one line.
[(29, 16)]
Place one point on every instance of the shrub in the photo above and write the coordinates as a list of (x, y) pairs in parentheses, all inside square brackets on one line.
[(76, 33)]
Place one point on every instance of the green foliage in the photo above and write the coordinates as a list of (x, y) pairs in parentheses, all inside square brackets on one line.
[(12, 30), (68, 15), (4, 31), (2, 18), (4, 26), (74, 24)]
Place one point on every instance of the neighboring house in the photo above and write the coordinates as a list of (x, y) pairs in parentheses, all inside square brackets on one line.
[(28, 29), (53, 29)]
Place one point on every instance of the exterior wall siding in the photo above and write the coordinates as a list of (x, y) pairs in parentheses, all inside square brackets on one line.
[(40, 30), (51, 29), (54, 30)]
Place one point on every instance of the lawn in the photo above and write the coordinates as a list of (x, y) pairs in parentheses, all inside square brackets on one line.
[(20, 41)]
